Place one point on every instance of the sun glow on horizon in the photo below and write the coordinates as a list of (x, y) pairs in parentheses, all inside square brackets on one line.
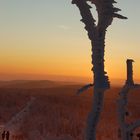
[(44, 40)]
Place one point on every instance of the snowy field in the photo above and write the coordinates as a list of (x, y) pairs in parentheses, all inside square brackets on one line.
[(59, 114)]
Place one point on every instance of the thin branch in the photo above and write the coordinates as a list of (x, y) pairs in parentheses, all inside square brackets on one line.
[(133, 126), (136, 86), (84, 88)]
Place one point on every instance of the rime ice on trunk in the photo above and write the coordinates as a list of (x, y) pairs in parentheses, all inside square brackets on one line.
[(126, 128), (96, 33)]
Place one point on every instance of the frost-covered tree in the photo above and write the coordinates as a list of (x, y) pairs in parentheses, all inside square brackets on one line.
[(96, 33), (125, 127)]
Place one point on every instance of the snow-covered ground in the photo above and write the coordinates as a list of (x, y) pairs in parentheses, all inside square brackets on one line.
[(62, 114)]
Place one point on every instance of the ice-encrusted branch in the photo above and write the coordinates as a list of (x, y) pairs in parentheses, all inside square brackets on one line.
[(87, 17)]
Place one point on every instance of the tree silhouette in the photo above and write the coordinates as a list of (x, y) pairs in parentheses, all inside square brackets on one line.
[(96, 33)]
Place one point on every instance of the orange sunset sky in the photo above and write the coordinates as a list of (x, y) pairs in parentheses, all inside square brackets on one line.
[(44, 39)]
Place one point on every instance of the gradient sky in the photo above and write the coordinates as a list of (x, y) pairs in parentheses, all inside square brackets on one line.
[(43, 38)]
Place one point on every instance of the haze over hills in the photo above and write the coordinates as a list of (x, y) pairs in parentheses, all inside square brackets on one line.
[(29, 84), (42, 80)]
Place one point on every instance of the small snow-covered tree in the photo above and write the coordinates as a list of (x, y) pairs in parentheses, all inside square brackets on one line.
[(96, 33), (125, 127)]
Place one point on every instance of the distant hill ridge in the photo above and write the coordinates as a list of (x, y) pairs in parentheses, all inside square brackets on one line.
[(27, 84)]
